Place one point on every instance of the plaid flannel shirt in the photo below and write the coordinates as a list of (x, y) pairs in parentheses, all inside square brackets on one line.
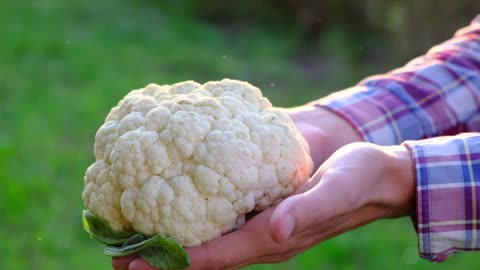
[(434, 95)]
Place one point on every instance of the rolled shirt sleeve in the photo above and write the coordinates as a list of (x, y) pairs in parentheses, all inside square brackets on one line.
[(435, 94)]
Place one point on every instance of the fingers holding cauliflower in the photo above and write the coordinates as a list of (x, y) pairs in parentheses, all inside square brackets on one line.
[(189, 161)]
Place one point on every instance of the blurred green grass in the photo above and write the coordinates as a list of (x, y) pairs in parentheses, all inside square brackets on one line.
[(65, 64)]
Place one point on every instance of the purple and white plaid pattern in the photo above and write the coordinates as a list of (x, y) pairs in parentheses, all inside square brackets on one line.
[(433, 95), (436, 94), (448, 194)]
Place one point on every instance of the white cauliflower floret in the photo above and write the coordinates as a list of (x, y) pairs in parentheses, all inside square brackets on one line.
[(190, 160)]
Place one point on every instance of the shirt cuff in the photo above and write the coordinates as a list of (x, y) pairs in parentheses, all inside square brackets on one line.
[(447, 171)]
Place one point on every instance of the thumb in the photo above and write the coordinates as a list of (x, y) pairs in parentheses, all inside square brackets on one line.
[(286, 215), (293, 214), (296, 210), (320, 203)]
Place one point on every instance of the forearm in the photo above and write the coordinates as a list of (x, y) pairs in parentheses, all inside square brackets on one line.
[(325, 131), (436, 94)]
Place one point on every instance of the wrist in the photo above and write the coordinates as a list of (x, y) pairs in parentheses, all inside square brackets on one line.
[(400, 188)]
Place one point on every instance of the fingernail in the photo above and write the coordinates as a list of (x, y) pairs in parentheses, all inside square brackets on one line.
[(289, 227)]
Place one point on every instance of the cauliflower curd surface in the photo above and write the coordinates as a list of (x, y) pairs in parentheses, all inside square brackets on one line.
[(190, 160)]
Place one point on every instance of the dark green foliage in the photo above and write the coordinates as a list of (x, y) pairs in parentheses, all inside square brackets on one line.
[(160, 251), (99, 229), (409, 26)]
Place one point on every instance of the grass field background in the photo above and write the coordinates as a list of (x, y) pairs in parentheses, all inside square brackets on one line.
[(64, 64)]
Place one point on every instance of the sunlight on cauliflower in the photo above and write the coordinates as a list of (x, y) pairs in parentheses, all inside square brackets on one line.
[(190, 160)]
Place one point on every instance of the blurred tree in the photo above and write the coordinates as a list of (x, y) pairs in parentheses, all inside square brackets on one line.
[(308, 16), (414, 26), (408, 26)]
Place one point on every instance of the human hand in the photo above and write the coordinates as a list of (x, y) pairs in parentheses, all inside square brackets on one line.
[(358, 184)]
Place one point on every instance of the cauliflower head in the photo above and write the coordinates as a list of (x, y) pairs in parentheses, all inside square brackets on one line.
[(189, 160)]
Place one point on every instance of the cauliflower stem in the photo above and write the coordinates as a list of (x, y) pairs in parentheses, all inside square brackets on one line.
[(159, 251)]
